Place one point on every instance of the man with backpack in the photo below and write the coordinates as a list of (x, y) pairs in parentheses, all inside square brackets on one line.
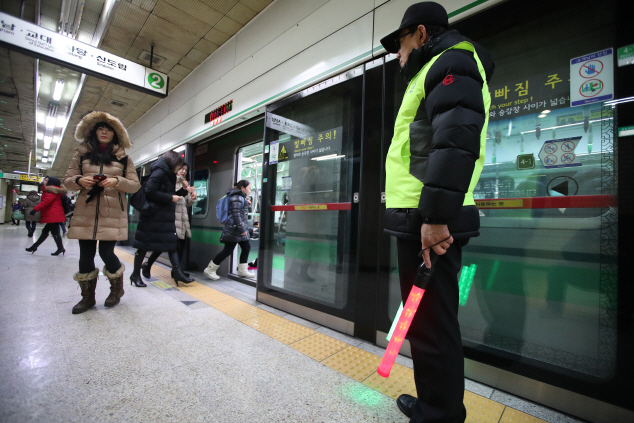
[(233, 211)]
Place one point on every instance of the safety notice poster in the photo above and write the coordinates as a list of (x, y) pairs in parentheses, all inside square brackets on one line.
[(592, 78)]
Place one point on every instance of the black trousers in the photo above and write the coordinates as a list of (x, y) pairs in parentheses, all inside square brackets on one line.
[(228, 250), (30, 225), (87, 251), (434, 335)]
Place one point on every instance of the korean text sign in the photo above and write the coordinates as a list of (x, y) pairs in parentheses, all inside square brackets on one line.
[(42, 42)]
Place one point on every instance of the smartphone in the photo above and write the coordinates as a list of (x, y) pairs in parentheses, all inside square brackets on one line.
[(99, 177)]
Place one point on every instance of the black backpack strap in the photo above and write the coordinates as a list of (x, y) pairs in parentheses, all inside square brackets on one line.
[(124, 163)]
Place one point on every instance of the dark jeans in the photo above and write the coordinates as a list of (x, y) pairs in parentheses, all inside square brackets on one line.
[(434, 335), (87, 251), (31, 225), (228, 250)]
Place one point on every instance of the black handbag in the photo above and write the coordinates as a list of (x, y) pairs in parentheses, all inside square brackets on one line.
[(139, 201)]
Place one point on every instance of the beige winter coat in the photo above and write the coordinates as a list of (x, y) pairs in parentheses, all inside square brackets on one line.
[(105, 217), (182, 218)]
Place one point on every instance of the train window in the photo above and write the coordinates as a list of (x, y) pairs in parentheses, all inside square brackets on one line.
[(201, 184)]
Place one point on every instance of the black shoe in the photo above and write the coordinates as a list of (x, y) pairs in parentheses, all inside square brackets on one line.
[(406, 403), (137, 281), (178, 276), (30, 234), (58, 252), (31, 249), (145, 270)]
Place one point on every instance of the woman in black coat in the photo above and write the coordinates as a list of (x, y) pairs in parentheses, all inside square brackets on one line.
[(157, 229), (235, 231)]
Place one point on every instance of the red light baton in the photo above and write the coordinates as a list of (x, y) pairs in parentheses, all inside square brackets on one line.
[(423, 276)]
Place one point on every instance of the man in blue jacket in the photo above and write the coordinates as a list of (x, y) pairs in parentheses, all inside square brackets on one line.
[(433, 164)]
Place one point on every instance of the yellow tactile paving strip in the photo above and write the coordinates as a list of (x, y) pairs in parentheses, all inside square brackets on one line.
[(351, 361)]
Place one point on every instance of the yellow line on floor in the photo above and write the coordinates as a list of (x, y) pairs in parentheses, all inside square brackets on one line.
[(349, 360)]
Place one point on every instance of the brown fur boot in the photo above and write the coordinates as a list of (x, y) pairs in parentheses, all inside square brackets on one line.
[(88, 284), (116, 286)]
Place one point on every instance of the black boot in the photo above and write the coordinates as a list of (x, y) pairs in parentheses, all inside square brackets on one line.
[(137, 281), (177, 273), (60, 246), (40, 240), (147, 266), (136, 273)]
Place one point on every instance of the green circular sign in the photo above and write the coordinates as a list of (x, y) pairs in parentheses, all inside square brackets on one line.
[(156, 81)]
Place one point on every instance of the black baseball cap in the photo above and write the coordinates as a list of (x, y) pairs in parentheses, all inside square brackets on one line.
[(425, 13)]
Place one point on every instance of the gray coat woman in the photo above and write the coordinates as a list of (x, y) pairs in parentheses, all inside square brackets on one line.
[(32, 200), (182, 218)]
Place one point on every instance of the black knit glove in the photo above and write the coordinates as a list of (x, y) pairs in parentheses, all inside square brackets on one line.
[(32, 212)]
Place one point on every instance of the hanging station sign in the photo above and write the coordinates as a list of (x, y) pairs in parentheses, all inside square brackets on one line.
[(33, 40)]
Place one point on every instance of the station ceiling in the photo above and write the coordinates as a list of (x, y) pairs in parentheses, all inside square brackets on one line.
[(184, 34)]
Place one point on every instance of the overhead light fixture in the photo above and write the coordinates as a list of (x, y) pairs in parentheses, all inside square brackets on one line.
[(56, 140), (59, 87), (181, 148), (44, 160), (61, 121), (50, 122), (45, 153), (541, 116), (40, 136), (545, 111), (47, 142)]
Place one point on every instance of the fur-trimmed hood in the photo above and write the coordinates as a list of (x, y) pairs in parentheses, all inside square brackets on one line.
[(91, 119), (55, 190)]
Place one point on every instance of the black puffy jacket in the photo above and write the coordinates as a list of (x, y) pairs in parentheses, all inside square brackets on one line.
[(237, 224), (445, 138), (157, 231)]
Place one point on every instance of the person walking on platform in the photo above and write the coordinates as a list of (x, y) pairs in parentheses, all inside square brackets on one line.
[(188, 193), (32, 200), (234, 232), (433, 164), (52, 214), (103, 173), (157, 230), (17, 210)]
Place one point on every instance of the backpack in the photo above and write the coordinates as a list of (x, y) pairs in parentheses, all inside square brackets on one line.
[(222, 208), (68, 206)]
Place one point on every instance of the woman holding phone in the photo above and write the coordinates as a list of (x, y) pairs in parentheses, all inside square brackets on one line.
[(104, 173)]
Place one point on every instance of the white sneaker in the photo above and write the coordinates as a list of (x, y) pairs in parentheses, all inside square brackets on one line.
[(210, 271), (243, 271)]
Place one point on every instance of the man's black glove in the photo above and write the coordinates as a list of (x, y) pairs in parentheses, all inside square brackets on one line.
[(95, 190), (32, 212)]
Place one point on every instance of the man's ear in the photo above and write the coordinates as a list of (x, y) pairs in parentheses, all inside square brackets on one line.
[(424, 36)]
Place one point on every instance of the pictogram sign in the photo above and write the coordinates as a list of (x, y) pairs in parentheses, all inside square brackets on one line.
[(592, 78), (560, 153)]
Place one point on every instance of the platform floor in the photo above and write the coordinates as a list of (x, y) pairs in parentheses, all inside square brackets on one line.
[(206, 352)]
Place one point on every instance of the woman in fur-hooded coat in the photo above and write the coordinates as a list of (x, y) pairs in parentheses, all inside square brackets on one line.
[(104, 173)]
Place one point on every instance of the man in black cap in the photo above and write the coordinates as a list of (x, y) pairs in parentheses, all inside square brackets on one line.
[(433, 164)]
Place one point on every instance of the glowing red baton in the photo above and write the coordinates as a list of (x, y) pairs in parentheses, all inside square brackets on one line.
[(409, 310)]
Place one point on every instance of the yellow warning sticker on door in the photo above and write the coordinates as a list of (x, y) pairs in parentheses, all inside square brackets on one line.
[(312, 207), (491, 204)]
